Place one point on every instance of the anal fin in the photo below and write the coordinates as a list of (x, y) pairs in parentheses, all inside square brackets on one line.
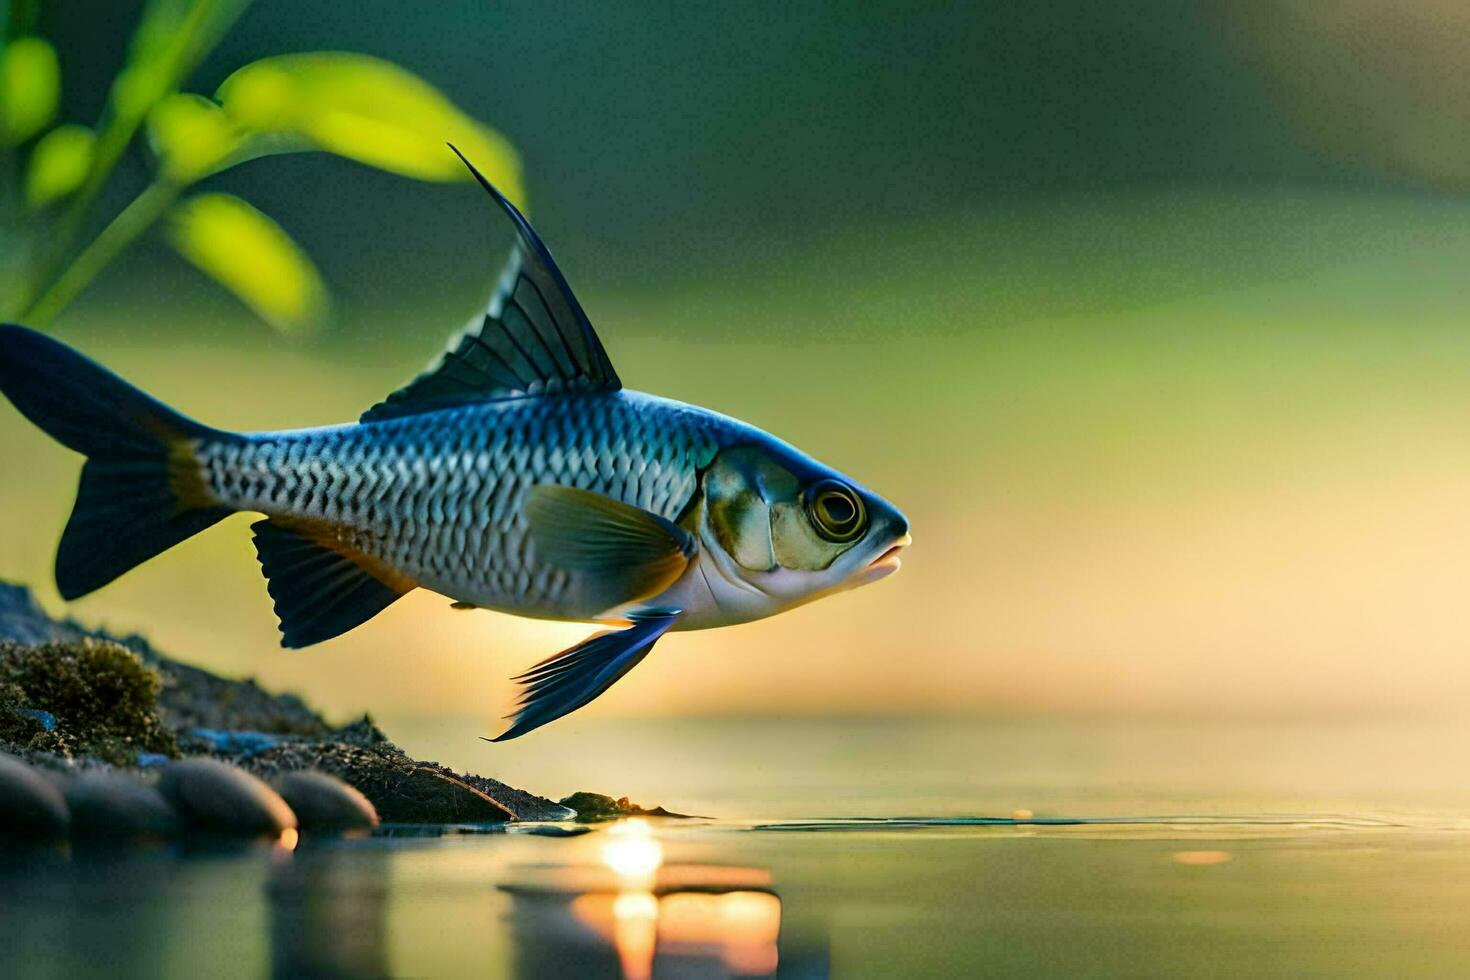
[(321, 587), (565, 682)]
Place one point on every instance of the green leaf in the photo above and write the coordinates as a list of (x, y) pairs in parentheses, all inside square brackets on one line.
[(59, 164), (30, 88), (371, 111), (249, 254), (191, 137)]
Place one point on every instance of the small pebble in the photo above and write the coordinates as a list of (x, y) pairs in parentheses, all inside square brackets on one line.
[(30, 806), (236, 743), (1021, 813), (46, 718), (213, 795), (326, 804), (111, 806)]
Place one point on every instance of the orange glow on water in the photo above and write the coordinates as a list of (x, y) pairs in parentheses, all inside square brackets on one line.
[(740, 928), (651, 915), (635, 933), (633, 854), (735, 929)]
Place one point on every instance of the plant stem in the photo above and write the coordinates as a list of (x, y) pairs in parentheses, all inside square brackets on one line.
[(131, 222), (118, 129), (190, 43)]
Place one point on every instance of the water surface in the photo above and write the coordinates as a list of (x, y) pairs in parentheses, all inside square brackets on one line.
[(832, 848)]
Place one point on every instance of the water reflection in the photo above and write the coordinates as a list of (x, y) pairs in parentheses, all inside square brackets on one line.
[(633, 913), (740, 927), (635, 899), (635, 857), (328, 913), (633, 854), (908, 899)]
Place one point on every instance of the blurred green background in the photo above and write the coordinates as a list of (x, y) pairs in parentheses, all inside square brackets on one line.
[(1152, 317)]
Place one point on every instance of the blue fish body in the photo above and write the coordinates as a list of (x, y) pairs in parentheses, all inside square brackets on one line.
[(516, 474)]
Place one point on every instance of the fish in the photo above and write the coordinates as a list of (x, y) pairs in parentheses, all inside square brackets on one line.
[(515, 474)]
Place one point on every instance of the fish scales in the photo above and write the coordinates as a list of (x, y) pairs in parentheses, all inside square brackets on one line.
[(439, 497), (515, 473)]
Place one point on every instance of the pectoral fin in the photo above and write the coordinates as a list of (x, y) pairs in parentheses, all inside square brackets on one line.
[(561, 684), (627, 553)]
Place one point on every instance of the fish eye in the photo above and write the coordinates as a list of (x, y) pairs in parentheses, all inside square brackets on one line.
[(836, 511)]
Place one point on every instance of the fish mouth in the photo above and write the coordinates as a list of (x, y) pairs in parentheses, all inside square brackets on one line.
[(888, 562)]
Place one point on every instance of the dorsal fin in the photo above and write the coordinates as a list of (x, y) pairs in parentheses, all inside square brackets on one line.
[(533, 340)]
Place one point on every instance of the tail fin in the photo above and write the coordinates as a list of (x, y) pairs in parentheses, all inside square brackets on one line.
[(142, 490)]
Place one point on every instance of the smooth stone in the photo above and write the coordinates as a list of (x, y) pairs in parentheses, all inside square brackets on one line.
[(213, 795), (326, 804), (30, 806), (111, 806)]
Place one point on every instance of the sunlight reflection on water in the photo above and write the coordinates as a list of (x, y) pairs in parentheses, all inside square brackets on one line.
[(713, 919), (634, 854)]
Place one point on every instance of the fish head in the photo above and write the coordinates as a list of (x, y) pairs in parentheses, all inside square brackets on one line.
[(795, 529)]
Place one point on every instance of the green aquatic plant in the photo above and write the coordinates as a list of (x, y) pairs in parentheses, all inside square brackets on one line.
[(352, 105), (85, 697)]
